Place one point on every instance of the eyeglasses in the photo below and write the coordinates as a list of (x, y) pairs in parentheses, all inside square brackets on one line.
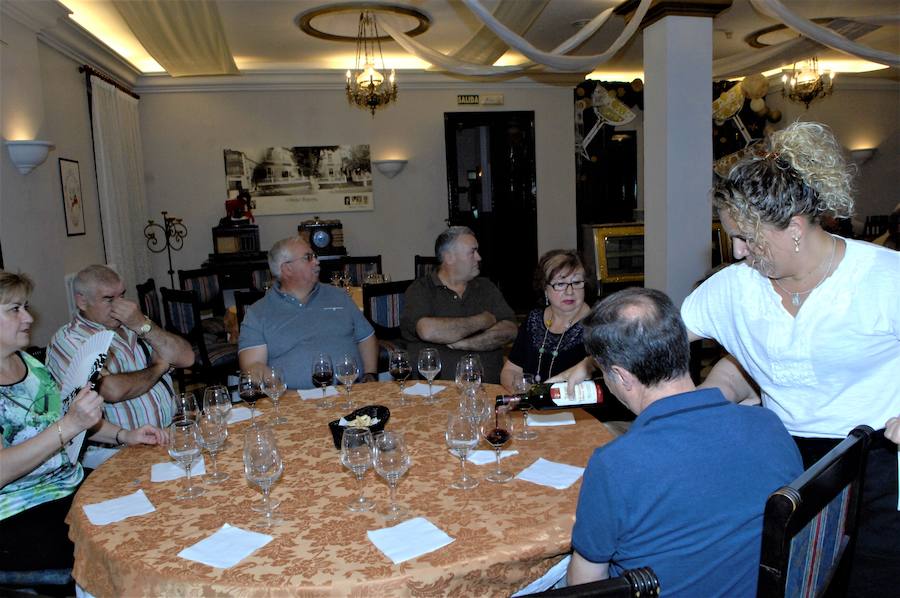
[(306, 257), (559, 287)]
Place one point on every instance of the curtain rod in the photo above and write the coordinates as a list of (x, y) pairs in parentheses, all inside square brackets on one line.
[(89, 70)]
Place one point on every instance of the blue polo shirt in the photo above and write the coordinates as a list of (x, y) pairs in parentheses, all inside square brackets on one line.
[(683, 492), (295, 333)]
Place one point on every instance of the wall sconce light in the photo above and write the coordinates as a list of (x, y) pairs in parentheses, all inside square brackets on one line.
[(862, 155), (26, 154), (389, 168)]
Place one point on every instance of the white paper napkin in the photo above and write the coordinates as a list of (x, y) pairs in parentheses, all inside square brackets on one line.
[(95, 456), (164, 472), (482, 457), (550, 473), (239, 414), (409, 539), (420, 389), (117, 509), (316, 393), (560, 418), (225, 548)]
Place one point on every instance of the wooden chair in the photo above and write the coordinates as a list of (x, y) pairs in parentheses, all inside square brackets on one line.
[(382, 306), (633, 583), (148, 299), (360, 266), (212, 301), (243, 300), (215, 359), (809, 526), (425, 264)]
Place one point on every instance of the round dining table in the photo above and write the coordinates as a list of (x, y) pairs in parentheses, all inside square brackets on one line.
[(505, 535)]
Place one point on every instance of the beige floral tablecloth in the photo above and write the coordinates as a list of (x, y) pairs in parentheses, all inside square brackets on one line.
[(505, 534)]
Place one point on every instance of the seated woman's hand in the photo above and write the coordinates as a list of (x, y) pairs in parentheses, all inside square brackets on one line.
[(145, 435), (86, 410)]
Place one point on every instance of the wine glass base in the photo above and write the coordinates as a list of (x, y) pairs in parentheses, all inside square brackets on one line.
[(432, 400), (395, 512), (526, 435), (216, 478), (260, 505), (499, 477), (348, 405), (189, 493), (278, 421), (466, 483), (326, 404), (361, 505)]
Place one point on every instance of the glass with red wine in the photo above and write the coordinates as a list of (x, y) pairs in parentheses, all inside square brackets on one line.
[(496, 429), (322, 376), (400, 369), (250, 390)]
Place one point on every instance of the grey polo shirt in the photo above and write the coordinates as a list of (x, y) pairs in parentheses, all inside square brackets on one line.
[(295, 333)]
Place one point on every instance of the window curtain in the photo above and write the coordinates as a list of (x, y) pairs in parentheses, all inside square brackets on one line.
[(120, 180)]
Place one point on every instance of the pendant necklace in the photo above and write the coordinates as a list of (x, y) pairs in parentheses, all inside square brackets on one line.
[(795, 297), (555, 352)]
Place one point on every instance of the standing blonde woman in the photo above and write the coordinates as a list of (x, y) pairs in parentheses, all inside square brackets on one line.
[(813, 318)]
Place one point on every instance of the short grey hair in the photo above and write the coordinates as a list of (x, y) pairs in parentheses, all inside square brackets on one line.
[(88, 279), (281, 253), (447, 238)]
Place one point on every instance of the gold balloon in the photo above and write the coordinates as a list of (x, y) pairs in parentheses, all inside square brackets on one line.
[(758, 105), (774, 116), (755, 86)]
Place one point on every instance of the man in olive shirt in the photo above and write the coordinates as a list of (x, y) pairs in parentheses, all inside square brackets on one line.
[(455, 311)]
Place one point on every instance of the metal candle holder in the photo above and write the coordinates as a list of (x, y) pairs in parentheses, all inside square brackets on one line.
[(174, 232)]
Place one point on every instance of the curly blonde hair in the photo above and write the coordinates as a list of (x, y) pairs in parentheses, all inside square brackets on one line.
[(798, 170)]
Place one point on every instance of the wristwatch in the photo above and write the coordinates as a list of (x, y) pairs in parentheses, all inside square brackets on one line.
[(144, 330)]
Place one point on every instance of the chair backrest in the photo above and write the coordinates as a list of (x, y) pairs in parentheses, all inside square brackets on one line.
[(425, 264), (182, 311), (382, 306), (148, 299), (633, 583), (809, 526), (359, 266), (261, 280), (243, 300), (209, 289)]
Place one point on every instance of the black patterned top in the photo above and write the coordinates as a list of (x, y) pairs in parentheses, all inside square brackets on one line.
[(525, 352)]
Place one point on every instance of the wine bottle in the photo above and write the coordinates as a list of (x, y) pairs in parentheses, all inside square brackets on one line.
[(542, 397)]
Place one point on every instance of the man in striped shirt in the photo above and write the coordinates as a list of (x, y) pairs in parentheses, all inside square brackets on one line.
[(135, 385)]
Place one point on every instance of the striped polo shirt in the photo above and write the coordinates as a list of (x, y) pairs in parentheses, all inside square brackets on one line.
[(154, 407)]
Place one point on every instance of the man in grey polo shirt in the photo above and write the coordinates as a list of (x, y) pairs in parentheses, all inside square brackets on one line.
[(299, 318)]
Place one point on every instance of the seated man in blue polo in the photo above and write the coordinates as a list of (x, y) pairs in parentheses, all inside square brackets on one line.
[(300, 318), (683, 491)]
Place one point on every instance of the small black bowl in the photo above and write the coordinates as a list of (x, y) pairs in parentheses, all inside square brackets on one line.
[(379, 412)]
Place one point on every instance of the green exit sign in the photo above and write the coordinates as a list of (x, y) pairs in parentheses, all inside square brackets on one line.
[(467, 99)]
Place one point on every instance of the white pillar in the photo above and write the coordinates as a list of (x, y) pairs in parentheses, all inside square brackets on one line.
[(677, 153)]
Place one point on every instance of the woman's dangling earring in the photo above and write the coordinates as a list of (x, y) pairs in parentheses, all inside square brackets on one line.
[(796, 244)]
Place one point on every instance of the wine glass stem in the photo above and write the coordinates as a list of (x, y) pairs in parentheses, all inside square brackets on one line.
[(525, 420), (267, 506), (462, 466), (275, 403), (429, 388), (497, 450), (212, 457), (359, 487), (187, 475), (393, 487)]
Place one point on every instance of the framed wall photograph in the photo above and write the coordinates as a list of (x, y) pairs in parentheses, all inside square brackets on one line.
[(73, 203)]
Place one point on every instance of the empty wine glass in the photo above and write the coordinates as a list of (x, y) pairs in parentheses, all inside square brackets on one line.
[(274, 386), (496, 430), (429, 366), (262, 463), (462, 437), (347, 371), (250, 389), (469, 373), (400, 369), (357, 446), (185, 407), (183, 447), (322, 376), (212, 431), (522, 383), (217, 398), (391, 462)]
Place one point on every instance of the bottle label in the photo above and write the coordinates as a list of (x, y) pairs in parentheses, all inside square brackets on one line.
[(586, 393)]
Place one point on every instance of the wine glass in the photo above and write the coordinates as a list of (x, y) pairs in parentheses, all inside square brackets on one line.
[(185, 407), (262, 463), (336, 278), (391, 462), (184, 449), (469, 373), (250, 389), (357, 446), (429, 366), (495, 429), (400, 369), (347, 372), (462, 437), (522, 383), (274, 386), (216, 398), (212, 431), (322, 375)]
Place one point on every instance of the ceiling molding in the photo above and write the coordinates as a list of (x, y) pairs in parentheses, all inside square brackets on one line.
[(677, 8)]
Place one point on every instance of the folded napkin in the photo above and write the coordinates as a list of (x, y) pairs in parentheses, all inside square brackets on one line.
[(420, 389), (225, 548), (550, 473), (164, 472), (239, 414), (316, 393), (560, 418), (482, 457), (117, 509), (409, 539), (95, 456)]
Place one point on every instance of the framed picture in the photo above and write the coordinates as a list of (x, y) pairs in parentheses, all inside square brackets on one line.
[(73, 203)]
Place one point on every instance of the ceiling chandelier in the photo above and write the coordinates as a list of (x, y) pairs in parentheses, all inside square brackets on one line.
[(366, 87), (805, 82)]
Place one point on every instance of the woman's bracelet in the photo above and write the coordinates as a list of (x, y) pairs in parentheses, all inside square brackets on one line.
[(117, 436), (62, 444)]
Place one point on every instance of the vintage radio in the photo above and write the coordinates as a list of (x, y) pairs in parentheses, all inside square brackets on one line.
[(235, 238), (326, 237)]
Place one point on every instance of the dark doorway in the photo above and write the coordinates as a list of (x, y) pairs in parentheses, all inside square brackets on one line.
[(491, 185)]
